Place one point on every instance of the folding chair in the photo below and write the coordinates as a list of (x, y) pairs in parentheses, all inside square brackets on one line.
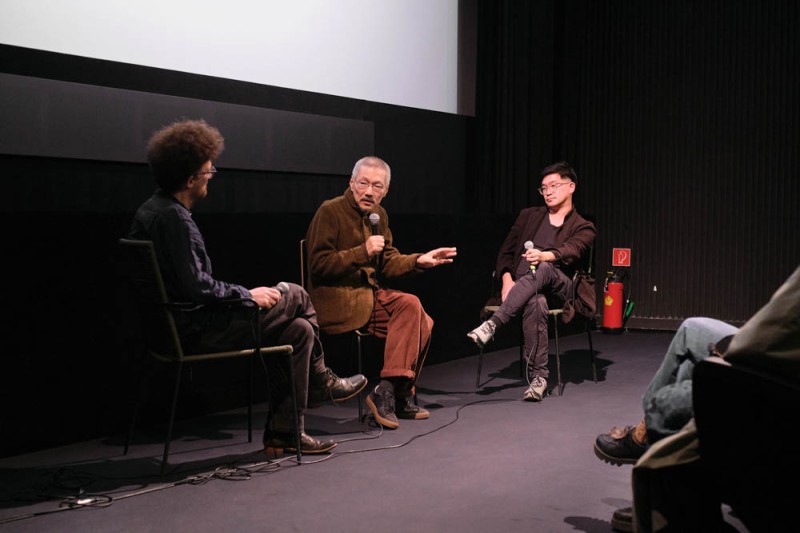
[(489, 310), (164, 345), (357, 334)]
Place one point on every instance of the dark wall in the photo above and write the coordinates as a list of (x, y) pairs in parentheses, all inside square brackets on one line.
[(688, 134), (683, 122)]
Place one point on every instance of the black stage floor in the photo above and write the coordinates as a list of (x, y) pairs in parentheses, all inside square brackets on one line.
[(484, 461)]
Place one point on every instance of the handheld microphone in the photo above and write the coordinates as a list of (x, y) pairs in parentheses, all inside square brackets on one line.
[(374, 220), (529, 246), (282, 288)]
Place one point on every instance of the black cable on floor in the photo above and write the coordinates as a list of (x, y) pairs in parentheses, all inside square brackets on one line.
[(233, 472)]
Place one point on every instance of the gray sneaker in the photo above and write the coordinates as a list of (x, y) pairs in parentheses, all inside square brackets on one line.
[(536, 390), (483, 333)]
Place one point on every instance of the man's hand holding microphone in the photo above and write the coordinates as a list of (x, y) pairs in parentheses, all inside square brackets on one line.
[(267, 297)]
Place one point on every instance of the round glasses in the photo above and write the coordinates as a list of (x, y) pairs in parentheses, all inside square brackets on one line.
[(363, 185), (551, 188)]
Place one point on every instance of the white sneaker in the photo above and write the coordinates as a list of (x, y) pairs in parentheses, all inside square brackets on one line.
[(483, 333), (536, 390)]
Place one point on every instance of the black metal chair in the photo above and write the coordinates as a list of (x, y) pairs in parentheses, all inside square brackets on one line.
[(358, 335), (555, 314), (163, 344)]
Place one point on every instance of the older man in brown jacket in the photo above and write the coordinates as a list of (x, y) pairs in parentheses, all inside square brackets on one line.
[(351, 256)]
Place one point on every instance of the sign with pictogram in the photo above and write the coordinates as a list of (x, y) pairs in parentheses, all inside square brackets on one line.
[(621, 257)]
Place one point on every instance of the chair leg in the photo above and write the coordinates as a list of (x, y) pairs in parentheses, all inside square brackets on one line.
[(250, 399), (293, 392), (591, 350), (131, 426), (480, 367), (360, 394), (522, 359), (559, 385), (141, 386), (168, 440)]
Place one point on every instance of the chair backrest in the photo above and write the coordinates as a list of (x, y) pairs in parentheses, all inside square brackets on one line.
[(149, 294), (590, 264), (583, 286), (303, 265)]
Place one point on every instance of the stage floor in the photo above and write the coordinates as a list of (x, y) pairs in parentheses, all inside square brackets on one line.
[(484, 461)]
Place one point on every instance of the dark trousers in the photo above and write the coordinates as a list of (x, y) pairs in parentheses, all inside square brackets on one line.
[(293, 321), (534, 293)]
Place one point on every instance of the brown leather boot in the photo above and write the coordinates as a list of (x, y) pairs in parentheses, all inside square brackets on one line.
[(622, 445), (639, 434)]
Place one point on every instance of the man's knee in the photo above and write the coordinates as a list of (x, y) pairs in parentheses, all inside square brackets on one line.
[(700, 323), (409, 302), (298, 332), (544, 266), (295, 294), (536, 308)]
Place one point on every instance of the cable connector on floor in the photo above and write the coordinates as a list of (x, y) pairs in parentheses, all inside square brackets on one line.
[(87, 501)]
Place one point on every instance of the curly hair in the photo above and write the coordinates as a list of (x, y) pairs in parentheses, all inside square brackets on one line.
[(179, 150)]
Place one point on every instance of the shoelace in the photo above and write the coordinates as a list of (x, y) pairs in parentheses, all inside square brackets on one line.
[(388, 403)]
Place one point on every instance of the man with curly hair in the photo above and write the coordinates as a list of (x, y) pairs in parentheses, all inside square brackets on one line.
[(180, 157)]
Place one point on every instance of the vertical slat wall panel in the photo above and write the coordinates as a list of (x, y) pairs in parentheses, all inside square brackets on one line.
[(687, 146)]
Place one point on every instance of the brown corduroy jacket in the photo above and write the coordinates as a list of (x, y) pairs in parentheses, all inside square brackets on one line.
[(342, 277)]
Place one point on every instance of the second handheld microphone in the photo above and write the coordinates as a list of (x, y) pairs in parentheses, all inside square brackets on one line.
[(529, 246)]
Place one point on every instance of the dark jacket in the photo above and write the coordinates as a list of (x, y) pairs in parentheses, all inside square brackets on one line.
[(573, 241), (181, 251), (184, 264)]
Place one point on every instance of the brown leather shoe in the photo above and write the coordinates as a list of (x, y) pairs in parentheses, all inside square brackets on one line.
[(330, 387), (277, 443), (619, 446)]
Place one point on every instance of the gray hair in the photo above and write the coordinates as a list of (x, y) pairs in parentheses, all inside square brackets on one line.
[(372, 161)]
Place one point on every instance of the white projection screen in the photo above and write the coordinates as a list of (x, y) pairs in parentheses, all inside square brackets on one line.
[(401, 52)]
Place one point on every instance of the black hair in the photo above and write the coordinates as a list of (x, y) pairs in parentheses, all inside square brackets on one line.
[(562, 168)]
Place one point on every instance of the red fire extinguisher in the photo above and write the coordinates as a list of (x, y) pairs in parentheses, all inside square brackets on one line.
[(613, 303)]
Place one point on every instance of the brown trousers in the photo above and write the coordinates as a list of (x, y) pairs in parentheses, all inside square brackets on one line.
[(399, 318)]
